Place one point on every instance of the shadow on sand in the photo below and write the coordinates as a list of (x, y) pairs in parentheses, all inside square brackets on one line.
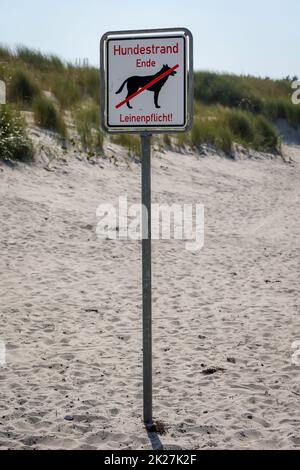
[(155, 441)]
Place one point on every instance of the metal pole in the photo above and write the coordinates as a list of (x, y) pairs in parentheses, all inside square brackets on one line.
[(147, 288)]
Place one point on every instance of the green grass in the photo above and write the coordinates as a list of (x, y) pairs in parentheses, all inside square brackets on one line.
[(66, 91), (69, 84), (227, 90), (221, 127), (167, 140), (211, 132), (14, 143), (241, 125), (282, 109), (266, 137), (5, 53), (22, 88), (88, 127), (270, 98), (182, 138), (129, 141), (253, 131), (46, 115), (37, 59), (228, 108)]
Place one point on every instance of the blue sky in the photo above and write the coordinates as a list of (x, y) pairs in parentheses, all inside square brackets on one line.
[(260, 37)]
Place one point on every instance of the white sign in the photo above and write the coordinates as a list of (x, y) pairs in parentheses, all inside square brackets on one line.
[(146, 79)]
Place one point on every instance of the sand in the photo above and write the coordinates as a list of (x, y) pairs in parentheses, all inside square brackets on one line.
[(71, 307)]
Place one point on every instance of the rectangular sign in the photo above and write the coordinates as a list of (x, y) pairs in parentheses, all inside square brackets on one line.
[(147, 81)]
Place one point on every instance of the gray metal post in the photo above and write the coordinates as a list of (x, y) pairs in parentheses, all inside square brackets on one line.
[(147, 287)]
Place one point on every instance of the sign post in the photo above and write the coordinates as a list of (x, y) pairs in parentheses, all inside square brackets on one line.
[(147, 278), (146, 88)]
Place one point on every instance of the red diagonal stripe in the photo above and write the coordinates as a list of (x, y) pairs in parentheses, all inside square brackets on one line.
[(155, 80)]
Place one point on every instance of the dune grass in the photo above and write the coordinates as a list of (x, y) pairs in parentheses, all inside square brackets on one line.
[(70, 84), (66, 91), (87, 123), (5, 52), (270, 98), (228, 108), (47, 115), (14, 143), (211, 132), (35, 58), (253, 131), (221, 127), (130, 142), (22, 88)]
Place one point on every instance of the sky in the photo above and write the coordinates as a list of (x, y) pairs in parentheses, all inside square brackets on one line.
[(257, 37)]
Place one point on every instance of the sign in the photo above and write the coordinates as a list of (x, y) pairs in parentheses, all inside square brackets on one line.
[(147, 87), (146, 81)]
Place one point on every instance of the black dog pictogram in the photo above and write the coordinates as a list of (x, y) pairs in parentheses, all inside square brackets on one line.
[(136, 82)]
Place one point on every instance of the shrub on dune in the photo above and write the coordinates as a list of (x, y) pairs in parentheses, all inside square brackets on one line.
[(266, 136), (211, 132), (254, 131), (14, 143), (88, 127), (5, 53), (66, 91), (22, 87), (46, 115), (241, 126)]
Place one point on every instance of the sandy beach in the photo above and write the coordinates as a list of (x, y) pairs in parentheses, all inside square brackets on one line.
[(71, 306)]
